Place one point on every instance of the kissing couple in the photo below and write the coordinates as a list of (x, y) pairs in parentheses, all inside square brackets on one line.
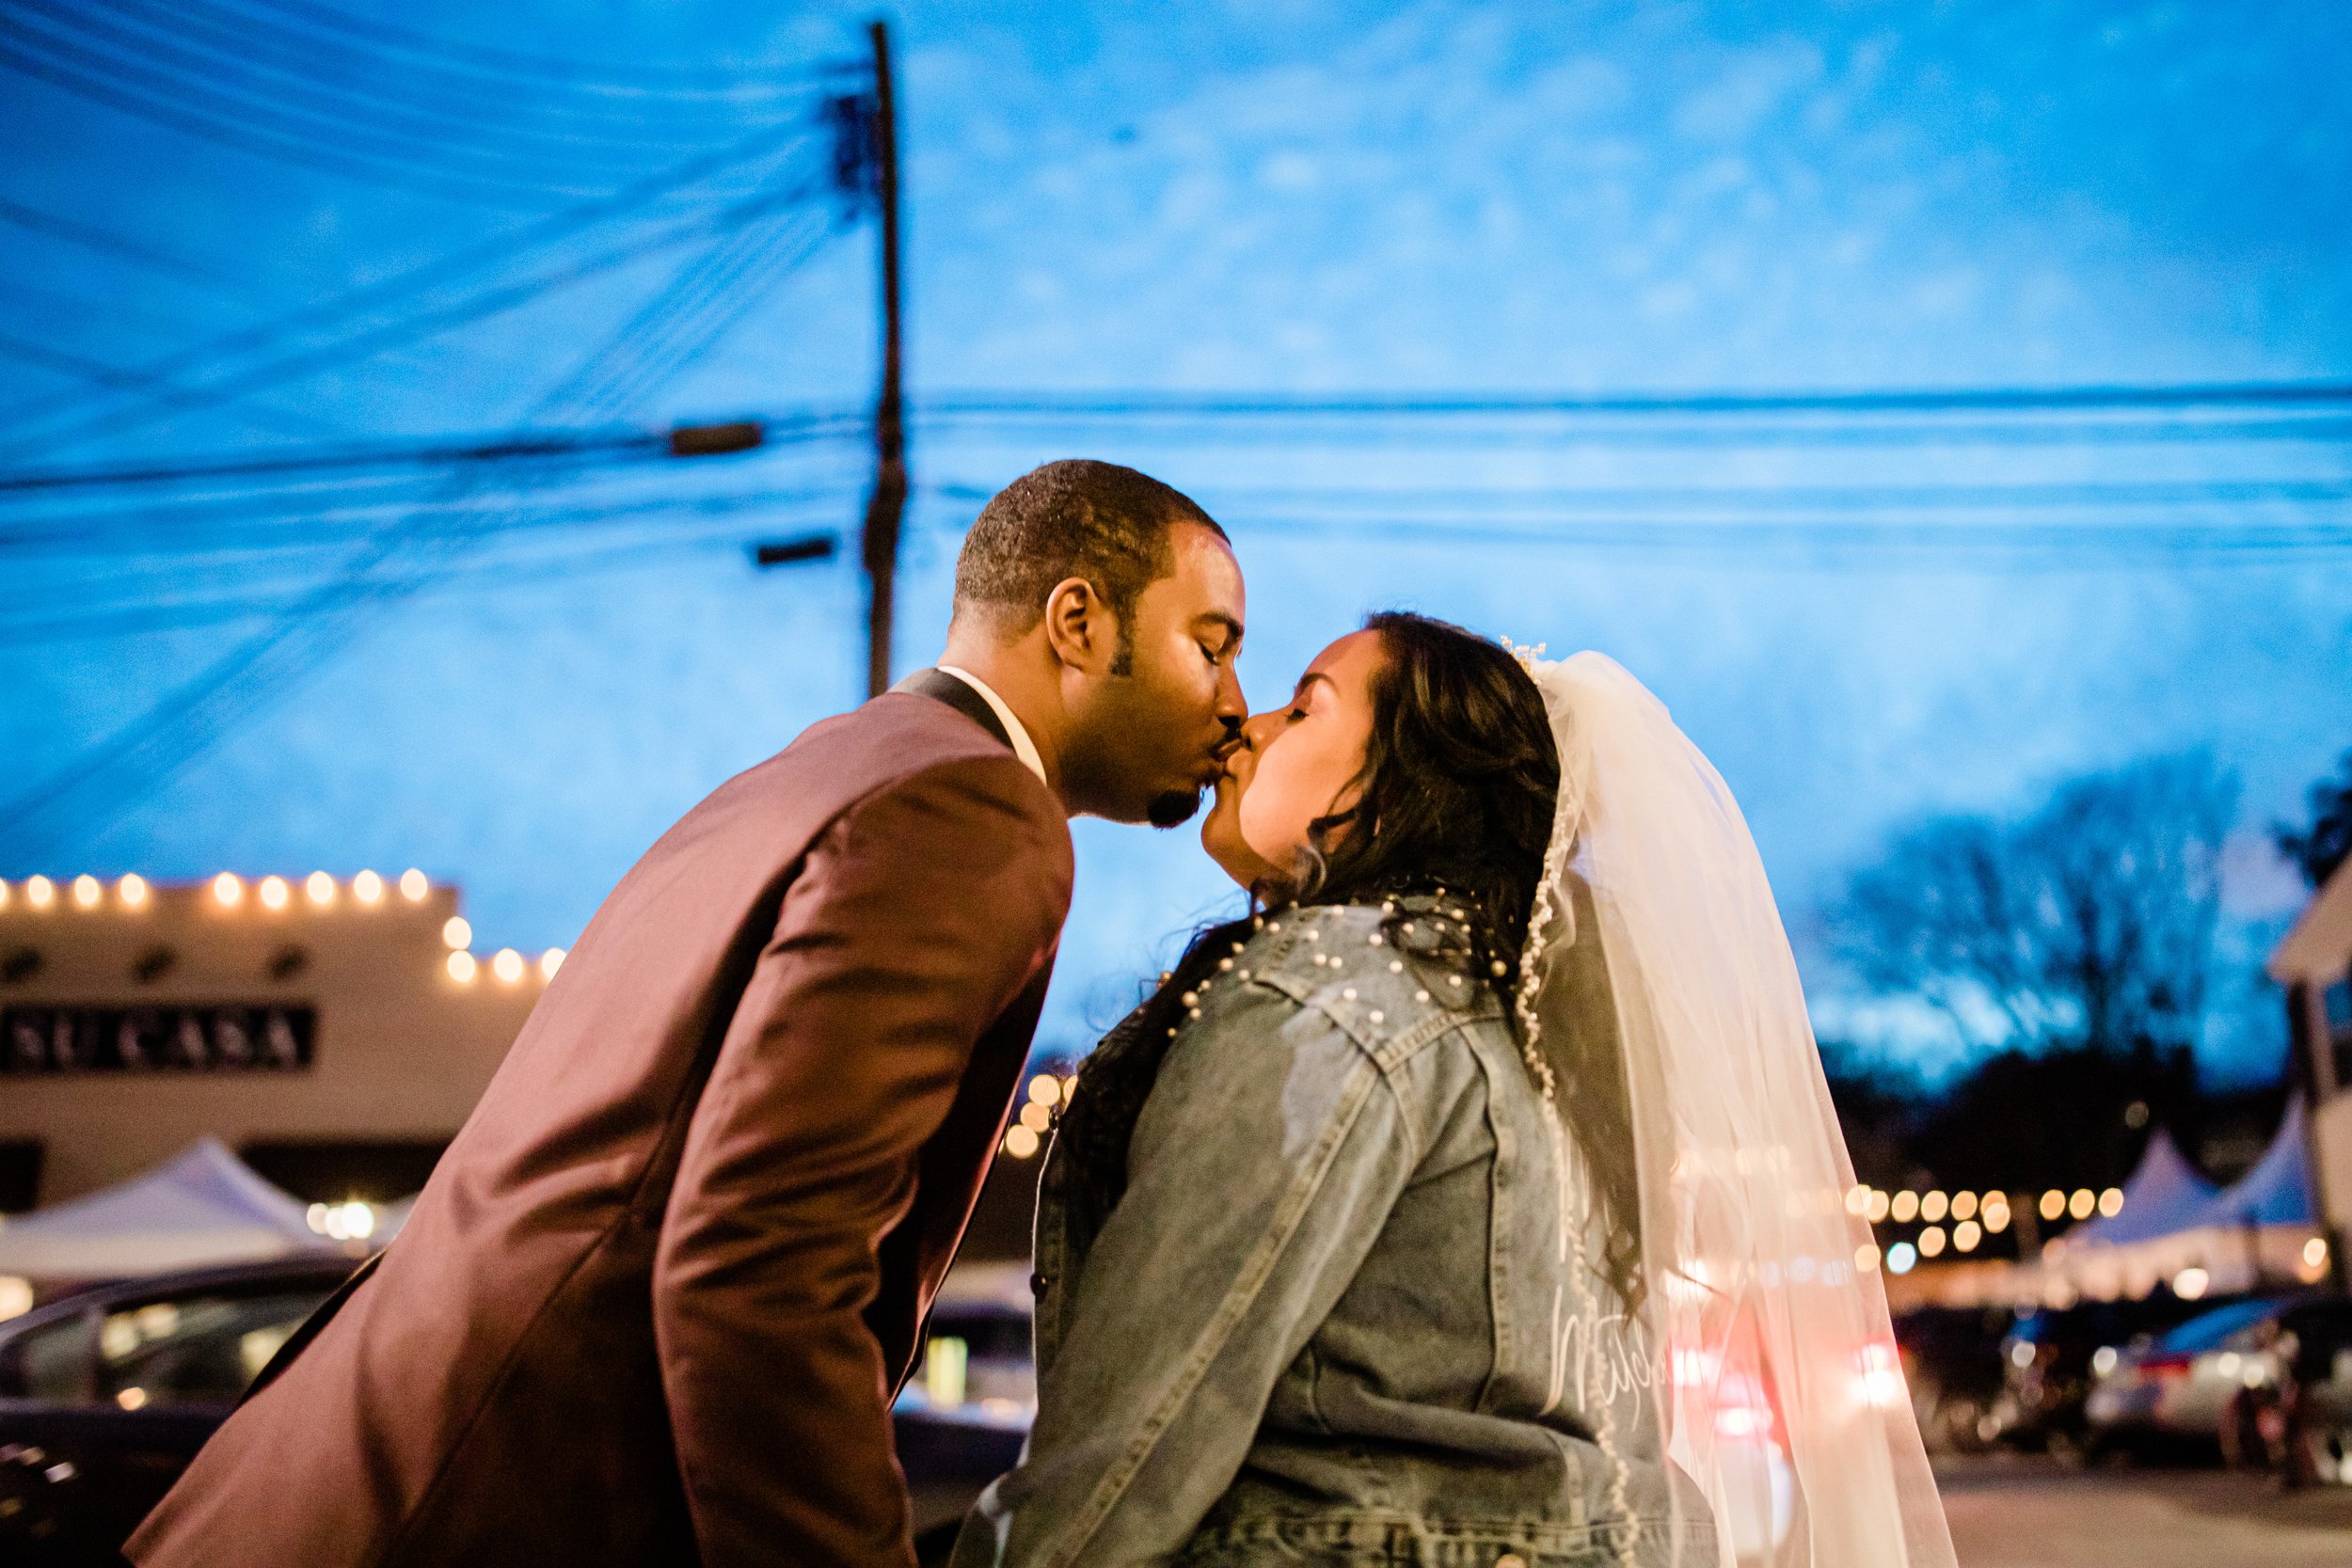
[(1472, 1200)]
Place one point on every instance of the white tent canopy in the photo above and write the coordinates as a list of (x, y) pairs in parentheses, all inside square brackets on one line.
[(2278, 1190), (2163, 1196), (2254, 1234), (203, 1207)]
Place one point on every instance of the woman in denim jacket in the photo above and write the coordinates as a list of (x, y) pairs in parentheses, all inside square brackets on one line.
[(1300, 1288)]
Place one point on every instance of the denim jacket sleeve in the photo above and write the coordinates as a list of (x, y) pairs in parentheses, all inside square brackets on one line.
[(1263, 1167)]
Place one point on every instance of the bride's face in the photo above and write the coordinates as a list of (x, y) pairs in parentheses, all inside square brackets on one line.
[(1295, 763)]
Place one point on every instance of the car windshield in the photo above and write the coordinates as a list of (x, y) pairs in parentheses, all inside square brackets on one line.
[(195, 1349)]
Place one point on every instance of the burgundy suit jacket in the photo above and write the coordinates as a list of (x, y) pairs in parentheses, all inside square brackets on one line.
[(656, 1300)]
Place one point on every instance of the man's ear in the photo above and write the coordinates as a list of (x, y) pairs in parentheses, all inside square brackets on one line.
[(1080, 627)]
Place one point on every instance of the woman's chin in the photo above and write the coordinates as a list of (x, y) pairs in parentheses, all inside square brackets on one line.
[(1220, 836)]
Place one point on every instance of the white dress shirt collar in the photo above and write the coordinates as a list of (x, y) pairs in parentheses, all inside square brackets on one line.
[(1023, 746)]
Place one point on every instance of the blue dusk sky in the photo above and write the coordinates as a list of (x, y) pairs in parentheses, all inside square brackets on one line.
[(1877, 618)]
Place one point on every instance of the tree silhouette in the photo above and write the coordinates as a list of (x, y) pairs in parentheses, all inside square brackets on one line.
[(2088, 924)]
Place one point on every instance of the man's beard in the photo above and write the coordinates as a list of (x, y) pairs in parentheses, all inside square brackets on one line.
[(1172, 809)]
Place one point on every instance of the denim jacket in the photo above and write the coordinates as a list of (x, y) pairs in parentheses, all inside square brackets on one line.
[(1328, 1320)]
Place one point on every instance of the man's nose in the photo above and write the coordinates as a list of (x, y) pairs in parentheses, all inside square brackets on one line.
[(1232, 708)]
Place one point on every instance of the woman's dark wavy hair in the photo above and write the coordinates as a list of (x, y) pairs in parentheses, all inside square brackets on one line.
[(1457, 788)]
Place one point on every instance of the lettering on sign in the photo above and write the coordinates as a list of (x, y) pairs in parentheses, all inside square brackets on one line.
[(197, 1038)]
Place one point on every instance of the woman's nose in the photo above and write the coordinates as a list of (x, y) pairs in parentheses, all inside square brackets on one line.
[(1255, 733)]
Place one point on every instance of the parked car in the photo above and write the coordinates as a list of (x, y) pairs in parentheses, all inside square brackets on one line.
[(2188, 1388), (2047, 1364), (106, 1395), (1952, 1362), (2294, 1414)]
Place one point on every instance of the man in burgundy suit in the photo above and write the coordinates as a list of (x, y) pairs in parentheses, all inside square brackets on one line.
[(655, 1303)]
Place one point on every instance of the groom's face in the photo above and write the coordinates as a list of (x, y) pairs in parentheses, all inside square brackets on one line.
[(1151, 734)]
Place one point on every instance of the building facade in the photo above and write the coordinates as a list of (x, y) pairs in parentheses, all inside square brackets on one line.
[(2315, 965), (335, 1031)]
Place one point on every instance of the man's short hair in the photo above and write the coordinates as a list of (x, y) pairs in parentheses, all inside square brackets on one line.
[(1075, 518)]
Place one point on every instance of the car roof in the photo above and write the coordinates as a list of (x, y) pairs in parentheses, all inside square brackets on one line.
[(322, 1268), (2209, 1331)]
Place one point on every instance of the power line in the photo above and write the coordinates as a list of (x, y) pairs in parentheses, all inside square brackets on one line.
[(520, 447), (391, 75), (491, 300), (179, 51), (656, 79), (568, 531), (97, 373), (468, 261), (211, 91), (122, 247), (154, 749), (1962, 399)]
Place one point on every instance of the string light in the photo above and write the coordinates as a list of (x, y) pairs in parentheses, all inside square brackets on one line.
[(1857, 1200), (507, 965), (1036, 1117), (227, 891), (2052, 1204), (456, 932), (550, 961), (1905, 1208), (368, 887), (1933, 1206), (132, 889), (1997, 1214), (87, 891), (2111, 1202), (319, 888), (1900, 1257), (413, 886), (1879, 1205), (2082, 1203), (2190, 1284), (1045, 1089), (275, 893), (1020, 1142), (1965, 1235), (461, 967), (1865, 1257), (1964, 1206), (1932, 1241), (40, 892)]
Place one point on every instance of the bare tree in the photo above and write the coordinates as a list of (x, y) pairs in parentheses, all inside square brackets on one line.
[(2088, 922)]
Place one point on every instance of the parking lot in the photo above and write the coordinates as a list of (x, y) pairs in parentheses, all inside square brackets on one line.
[(2020, 1511)]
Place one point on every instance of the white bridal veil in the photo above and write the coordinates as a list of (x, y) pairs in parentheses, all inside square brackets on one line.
[(1774, 1366)]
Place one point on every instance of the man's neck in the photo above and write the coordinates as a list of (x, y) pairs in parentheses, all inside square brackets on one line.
[(1018, 676)]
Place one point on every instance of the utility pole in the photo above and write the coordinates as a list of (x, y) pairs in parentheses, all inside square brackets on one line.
[(886, 505)]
